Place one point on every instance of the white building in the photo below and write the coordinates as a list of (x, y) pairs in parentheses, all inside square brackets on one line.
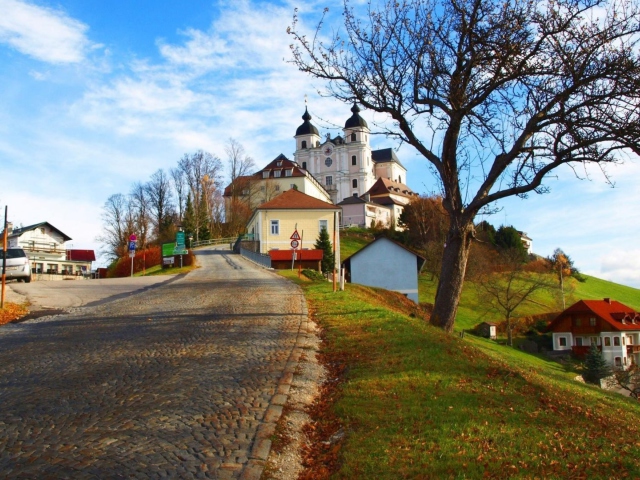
[(345, 165), (50, 259)]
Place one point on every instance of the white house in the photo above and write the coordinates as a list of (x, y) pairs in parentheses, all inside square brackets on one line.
[(386, 264), (44, 244)]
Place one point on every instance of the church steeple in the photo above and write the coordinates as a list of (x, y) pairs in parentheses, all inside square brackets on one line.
[(307, 128), (355, 121)]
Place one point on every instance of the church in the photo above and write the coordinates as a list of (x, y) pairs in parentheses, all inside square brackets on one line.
[(368, 185)]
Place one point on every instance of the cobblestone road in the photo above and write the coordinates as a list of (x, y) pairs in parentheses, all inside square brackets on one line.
[(181, 381)]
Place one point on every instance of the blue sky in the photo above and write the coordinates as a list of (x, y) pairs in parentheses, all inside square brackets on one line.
[(97, 95)]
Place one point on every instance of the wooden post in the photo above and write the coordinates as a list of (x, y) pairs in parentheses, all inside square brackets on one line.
[(4, 255)]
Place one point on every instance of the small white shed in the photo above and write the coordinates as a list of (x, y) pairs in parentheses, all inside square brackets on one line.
[(386, 264)]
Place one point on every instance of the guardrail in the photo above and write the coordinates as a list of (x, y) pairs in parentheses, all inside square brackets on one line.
[(213, 241), (260, 258)]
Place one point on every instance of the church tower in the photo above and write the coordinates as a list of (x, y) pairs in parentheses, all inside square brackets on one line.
[(359, 169), (307, 140)]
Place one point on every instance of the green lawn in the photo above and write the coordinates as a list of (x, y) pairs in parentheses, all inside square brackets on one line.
[(158, 270), (419, 403)]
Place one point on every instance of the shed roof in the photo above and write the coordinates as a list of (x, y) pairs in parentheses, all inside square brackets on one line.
[(419, 259)]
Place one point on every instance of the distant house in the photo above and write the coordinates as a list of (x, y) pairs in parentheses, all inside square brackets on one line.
[(608, 325), (277, 177), (526, 242), (50, 259), (360, 212), (386, 264), (273, 223), (488, 330)]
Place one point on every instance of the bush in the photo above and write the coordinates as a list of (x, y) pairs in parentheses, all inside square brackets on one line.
[(148, 258), (313, 274)]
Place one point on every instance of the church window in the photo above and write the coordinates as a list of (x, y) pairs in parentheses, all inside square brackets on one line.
[(304, 144), (354, 160), (399, 178), (328, 161), (304, 165), (354, 183), (329, 180), (355, 194), (353, 137)]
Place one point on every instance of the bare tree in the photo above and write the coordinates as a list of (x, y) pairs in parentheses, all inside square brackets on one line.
[(158, 192), (139, 208), (505, 290), (180, 186), (494, 95), (203, 174), (626, 379), (238, 162), (115, 231)]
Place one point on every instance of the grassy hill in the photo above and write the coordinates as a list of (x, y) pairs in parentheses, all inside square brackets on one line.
[(472, 310), (415, 402)]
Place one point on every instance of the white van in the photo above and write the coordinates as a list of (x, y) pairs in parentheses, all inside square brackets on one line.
[(18, 266)]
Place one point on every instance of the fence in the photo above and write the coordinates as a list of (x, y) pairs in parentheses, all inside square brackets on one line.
[(259, 258), (213, 241)]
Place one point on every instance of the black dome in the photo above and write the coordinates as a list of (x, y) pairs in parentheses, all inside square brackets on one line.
[(307, 127), (355, 120)]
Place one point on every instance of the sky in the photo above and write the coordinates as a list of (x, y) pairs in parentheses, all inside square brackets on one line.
[(95, 96)]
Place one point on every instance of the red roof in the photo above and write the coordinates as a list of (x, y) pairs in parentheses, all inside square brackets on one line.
[(616, 314), (293, 200), (81, 255), (301, 255)]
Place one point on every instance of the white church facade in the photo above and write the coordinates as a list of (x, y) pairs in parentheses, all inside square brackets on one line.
[(345, 165)]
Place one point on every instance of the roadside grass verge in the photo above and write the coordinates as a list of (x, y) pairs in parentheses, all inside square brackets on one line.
[(418, 403), (158, 270)]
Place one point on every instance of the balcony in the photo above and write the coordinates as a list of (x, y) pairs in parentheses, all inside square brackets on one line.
[(581, 351), (633, 349)]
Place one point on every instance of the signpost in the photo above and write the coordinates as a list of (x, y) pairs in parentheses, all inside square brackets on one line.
[(132, 249), (180, 248)]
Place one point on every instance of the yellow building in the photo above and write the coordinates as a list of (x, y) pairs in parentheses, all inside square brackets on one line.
[(274, 222)]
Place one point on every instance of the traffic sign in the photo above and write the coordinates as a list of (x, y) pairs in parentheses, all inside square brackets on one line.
[(295, 236), (133, 237), (132, 246), (294, 244)]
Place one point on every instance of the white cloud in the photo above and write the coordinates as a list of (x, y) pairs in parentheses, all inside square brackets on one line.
[(43, 33), (621, 266)]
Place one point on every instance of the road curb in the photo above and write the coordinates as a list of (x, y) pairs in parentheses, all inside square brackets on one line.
[(262, 444)]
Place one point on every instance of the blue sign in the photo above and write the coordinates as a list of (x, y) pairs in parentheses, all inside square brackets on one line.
[(132, 246)]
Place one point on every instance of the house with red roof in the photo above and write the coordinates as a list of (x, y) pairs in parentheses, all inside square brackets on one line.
[(273, 223), (608, 325)]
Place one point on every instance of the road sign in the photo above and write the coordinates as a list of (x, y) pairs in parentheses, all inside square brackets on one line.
[(132, 253), (133, 237), (295, 236), (294, 243), (132, 246)]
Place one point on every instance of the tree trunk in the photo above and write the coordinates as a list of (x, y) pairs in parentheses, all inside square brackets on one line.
[(454, 264)]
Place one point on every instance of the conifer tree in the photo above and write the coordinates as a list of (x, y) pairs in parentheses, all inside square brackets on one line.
[(595, 366), (324, 243)]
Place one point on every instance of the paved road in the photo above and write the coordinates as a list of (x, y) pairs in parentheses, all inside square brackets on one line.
[(65, 294), (180, 381)]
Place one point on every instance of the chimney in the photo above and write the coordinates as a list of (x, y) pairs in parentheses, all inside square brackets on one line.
[(608, 300)]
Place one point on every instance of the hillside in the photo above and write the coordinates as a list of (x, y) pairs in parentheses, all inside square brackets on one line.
[(413, 401), (472, 310)]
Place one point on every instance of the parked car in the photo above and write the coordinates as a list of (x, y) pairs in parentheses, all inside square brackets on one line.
[(18, 266)]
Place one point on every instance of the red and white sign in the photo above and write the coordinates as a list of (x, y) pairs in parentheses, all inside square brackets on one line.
[(295, 236), (133, 238), (294, 244)]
